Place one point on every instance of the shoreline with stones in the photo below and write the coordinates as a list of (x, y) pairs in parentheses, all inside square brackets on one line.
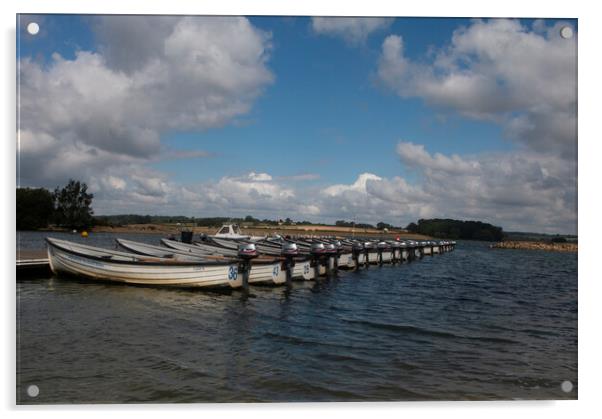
[(533, 245)]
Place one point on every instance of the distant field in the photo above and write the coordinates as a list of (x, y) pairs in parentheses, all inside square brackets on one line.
[(265, 230)]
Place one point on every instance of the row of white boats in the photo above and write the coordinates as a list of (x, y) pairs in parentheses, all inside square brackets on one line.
[(230, 262)]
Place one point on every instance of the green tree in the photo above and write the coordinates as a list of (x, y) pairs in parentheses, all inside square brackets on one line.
[(456, 229), (73, 205), (34, 208), (412, 227)]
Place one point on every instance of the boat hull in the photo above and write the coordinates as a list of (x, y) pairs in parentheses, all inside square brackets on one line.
[(261, 273), (164, 275)]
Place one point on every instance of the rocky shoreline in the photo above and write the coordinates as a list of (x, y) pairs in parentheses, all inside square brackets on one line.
[(531, 245)]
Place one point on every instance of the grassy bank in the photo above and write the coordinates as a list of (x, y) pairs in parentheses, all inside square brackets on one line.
[(297, 230)]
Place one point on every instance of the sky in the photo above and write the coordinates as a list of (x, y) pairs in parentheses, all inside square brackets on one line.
[(319, 119)]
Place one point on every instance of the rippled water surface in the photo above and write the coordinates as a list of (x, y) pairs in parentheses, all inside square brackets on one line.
[(472, 324)]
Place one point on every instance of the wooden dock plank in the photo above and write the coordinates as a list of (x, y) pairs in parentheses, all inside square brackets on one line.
[(30, 261)]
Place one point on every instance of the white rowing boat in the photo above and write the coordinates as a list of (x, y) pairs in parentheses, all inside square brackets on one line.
[(165, 252), (266, 271), (107, 265)]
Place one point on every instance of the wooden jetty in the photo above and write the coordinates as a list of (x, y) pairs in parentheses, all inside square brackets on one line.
[(31, 262)]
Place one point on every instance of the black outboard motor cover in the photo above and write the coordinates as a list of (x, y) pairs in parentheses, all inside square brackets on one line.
[(247, 251), (317, 249)]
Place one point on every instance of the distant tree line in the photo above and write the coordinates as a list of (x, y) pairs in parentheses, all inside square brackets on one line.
[(540, 237), (456, 229), (70, 207), (380, 225), (125, 219)]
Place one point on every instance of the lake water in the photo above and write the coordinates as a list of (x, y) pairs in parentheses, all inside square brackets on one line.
[(473, 324)]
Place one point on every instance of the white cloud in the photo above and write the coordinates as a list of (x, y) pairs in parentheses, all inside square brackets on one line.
[(150, 75), (358, 186), (354, 30), (519, 191), (115, 182), (414, 155), (499, 70), (259, 177), (522, 78), (100, 117)]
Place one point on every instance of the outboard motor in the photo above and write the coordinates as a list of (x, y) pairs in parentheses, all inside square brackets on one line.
[(420, 249), (246, 252), (186, 236), (289, 251), (356, 250), (339, 249), (379, 248), (415, 252), (411, 250), (367, 247), (332, 252), (403, 248), (317, 252), (396, 252), (317, 249)]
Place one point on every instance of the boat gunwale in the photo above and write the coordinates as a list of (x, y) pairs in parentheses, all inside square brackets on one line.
[(166, 262), (174, 252)]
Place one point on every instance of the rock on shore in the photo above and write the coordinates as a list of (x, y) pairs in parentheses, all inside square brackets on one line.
[(530, 245)]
